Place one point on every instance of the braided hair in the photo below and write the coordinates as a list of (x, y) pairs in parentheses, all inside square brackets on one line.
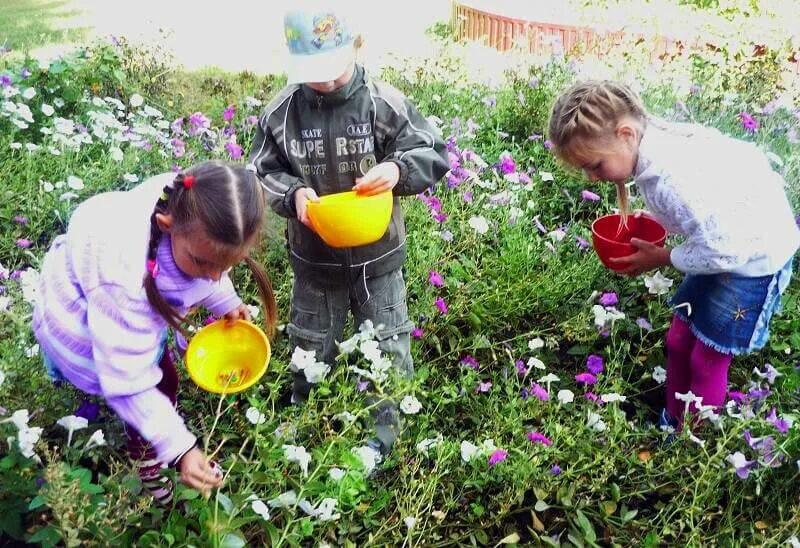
[(589, 111), (227, 203)]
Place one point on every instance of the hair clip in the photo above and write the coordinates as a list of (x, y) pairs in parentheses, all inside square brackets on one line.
[(188, 181), (152, 267)]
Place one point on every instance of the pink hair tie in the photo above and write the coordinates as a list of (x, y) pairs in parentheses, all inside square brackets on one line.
[(152, 267)]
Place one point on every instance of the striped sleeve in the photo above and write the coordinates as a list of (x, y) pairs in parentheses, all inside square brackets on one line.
[(126, 343), (224, 299)]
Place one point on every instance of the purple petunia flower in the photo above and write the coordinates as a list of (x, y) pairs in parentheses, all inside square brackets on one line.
[(497, 455), (417, 333), (23, 242), (234, 150), (609, 299), (548, 144), (25, 73), (590, 196), (228, 113), (555, 470), (471, 362), (538, 391), (644, 324), (5, 80), (507, 164), (594, 364), (594, 398), (582, 243), (536, 437), (21, 219), (483, 387), (440, 217), (749, 123), (441, 305), (490, 101), (467, 197), (757, 394), (738, 397), (362, 385), (585, 378), (435, 279), (252, 120), (522, 369), (779, 423), (524, 393)]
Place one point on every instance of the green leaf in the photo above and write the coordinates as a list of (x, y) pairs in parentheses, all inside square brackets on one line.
[(629, 515), (225, 502), (481, 536), (586, 527), (513, 538), (189, 494), (46, 536), (37, 501)]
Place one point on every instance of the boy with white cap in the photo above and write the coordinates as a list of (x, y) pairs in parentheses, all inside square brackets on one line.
[(334, 129)]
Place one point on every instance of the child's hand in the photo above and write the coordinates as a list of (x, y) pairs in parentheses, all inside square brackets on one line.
[(380, 178), (239, 313), (197, 473), (647, 258), (301, 197)]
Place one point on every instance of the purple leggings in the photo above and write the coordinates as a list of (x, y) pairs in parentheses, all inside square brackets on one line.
[(692, 365)]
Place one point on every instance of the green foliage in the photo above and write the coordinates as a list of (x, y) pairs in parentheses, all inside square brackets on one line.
[(515, 282)]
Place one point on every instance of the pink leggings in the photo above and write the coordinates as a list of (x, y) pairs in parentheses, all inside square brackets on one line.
[(693, 365)]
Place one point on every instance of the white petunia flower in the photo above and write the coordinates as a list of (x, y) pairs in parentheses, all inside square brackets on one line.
[(136, 100), (47, 110), (27, 439), (72, 423), (469, 451), (605, 316), (96, 440), (479, 224), (659, 374), (546, 176), (425, 445), (298, 454), (612, 397), (5, 303), (255, 416), (535, 344), (368, 456), (131, 178), (284, 500), (410, 522), (32, 351), (565, 396), (657, 284), (536, 362), (261, 509), (28, 94), (410, 405), (336, 474), (19, 418), (595, 421), (75, 183)]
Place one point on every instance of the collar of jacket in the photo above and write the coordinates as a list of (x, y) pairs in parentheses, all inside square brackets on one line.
[(339, 96)]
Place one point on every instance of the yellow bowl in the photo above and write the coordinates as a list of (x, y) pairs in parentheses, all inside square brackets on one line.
[(347, 219), (226, 360)]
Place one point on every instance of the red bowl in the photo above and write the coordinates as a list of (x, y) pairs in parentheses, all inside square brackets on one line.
[(610, 245)]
